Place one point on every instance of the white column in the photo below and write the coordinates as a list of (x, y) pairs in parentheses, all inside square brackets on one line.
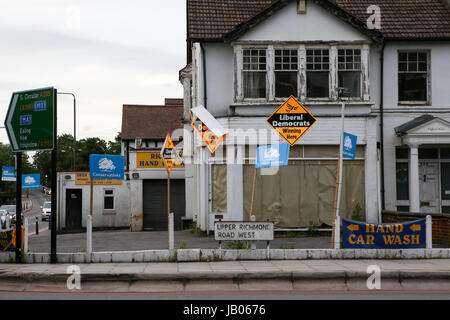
[(371, 172), (414, 190)]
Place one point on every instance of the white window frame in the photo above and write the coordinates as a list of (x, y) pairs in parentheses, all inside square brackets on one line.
[(113, 195), (428, 82), (301, 75)]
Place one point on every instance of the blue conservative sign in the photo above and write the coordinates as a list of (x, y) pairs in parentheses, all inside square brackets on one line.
[(403, 235), (273, 155), (349, 147), (8, 174), (104, 166), (31, 181)]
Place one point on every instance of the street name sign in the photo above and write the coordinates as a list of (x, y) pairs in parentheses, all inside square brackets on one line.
[(403, 235), (291, 120), (30, 120), (243, 231)]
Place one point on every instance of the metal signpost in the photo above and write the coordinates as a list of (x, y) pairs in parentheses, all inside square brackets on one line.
[(104, 167), (31, 126), (168, 154)]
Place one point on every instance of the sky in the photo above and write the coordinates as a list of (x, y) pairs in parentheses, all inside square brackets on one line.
[(106, 52)]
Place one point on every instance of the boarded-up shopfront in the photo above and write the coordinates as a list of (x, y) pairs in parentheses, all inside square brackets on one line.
[(302, 192)]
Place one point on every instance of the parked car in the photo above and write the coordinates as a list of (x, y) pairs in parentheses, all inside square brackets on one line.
[(11, 209), (46, 210), (4, 219)]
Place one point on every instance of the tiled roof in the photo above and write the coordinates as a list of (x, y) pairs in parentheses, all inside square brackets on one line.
[(150, 122), (212, 20)]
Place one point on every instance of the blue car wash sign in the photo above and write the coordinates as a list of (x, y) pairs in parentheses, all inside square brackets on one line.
[(272, 155), (104, 166), (8, 174), (405, 235), (349, 145), (31, 181)]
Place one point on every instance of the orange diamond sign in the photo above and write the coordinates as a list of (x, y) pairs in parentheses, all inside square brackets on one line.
[(168, 153), (291, 120), (211, 140)]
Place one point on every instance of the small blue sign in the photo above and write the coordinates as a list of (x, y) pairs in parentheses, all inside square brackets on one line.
[(31, 181), (40, 105), (26, 120), (272, 155), (104, 166), (349, 145), (8, 174), (402, 235)]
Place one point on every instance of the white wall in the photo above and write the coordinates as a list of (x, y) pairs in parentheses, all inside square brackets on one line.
[(316, 24), (119, 217)]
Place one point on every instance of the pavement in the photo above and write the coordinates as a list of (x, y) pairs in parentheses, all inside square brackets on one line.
[(230, 276)]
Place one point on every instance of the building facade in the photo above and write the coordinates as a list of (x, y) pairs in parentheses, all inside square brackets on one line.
[(245, 58)]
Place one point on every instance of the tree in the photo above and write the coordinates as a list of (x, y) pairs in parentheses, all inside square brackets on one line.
[(115, 147), (7, 188)]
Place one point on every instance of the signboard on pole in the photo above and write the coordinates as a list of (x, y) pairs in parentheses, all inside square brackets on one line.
[(8, 174), (31, 181), (168, 153), (349, 145), (29, 121), (291, 120), (403, 235), (209, 129), (272, 155), (105, 166), (243, 231)]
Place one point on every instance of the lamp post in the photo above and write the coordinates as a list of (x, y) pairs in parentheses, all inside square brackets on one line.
[(74, 125)]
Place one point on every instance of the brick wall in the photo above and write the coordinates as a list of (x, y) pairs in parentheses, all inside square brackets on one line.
[(440, 223)]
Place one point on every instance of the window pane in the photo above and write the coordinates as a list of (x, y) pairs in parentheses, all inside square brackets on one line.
[(428, 153), (285, 84), (445, 180), (401, 153), (317, 84), (445, 153), (412, 87), (108, 191), (351, 80), (109, 203), (402, 181), (254, 84)]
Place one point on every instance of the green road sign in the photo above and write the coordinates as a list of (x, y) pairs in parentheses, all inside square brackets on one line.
[(29, 121)]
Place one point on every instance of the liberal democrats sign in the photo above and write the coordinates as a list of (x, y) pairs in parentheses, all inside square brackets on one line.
[(383, 236), (104, 166)]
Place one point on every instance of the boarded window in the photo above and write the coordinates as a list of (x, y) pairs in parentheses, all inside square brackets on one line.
[(219, 187), (303, 192)]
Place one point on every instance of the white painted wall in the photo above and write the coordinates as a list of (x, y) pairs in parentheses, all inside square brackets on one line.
[(316, 24), (119, 217)]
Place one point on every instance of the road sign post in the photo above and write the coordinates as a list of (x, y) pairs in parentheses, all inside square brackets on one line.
[(168, 154)]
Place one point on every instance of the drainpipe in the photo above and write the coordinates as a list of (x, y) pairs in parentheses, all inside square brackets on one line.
[(205, 100), (382, 191)]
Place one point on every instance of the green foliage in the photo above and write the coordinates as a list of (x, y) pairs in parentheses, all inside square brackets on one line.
[(183, 245), (312, 228), (195, 229), (356, 213), (236, 245)]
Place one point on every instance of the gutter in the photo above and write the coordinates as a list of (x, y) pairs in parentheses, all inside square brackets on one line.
[(382, 189), (205, 98)]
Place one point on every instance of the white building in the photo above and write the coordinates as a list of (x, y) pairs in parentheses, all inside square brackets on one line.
[(246, 57)]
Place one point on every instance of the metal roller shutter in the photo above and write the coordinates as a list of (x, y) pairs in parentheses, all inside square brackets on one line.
[(155, 203)]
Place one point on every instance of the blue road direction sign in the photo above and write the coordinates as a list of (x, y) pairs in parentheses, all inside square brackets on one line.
[(405, 235), (104, 166), (349, 145), (30, 120), (272, 155), (31, 181), (8, 174)]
